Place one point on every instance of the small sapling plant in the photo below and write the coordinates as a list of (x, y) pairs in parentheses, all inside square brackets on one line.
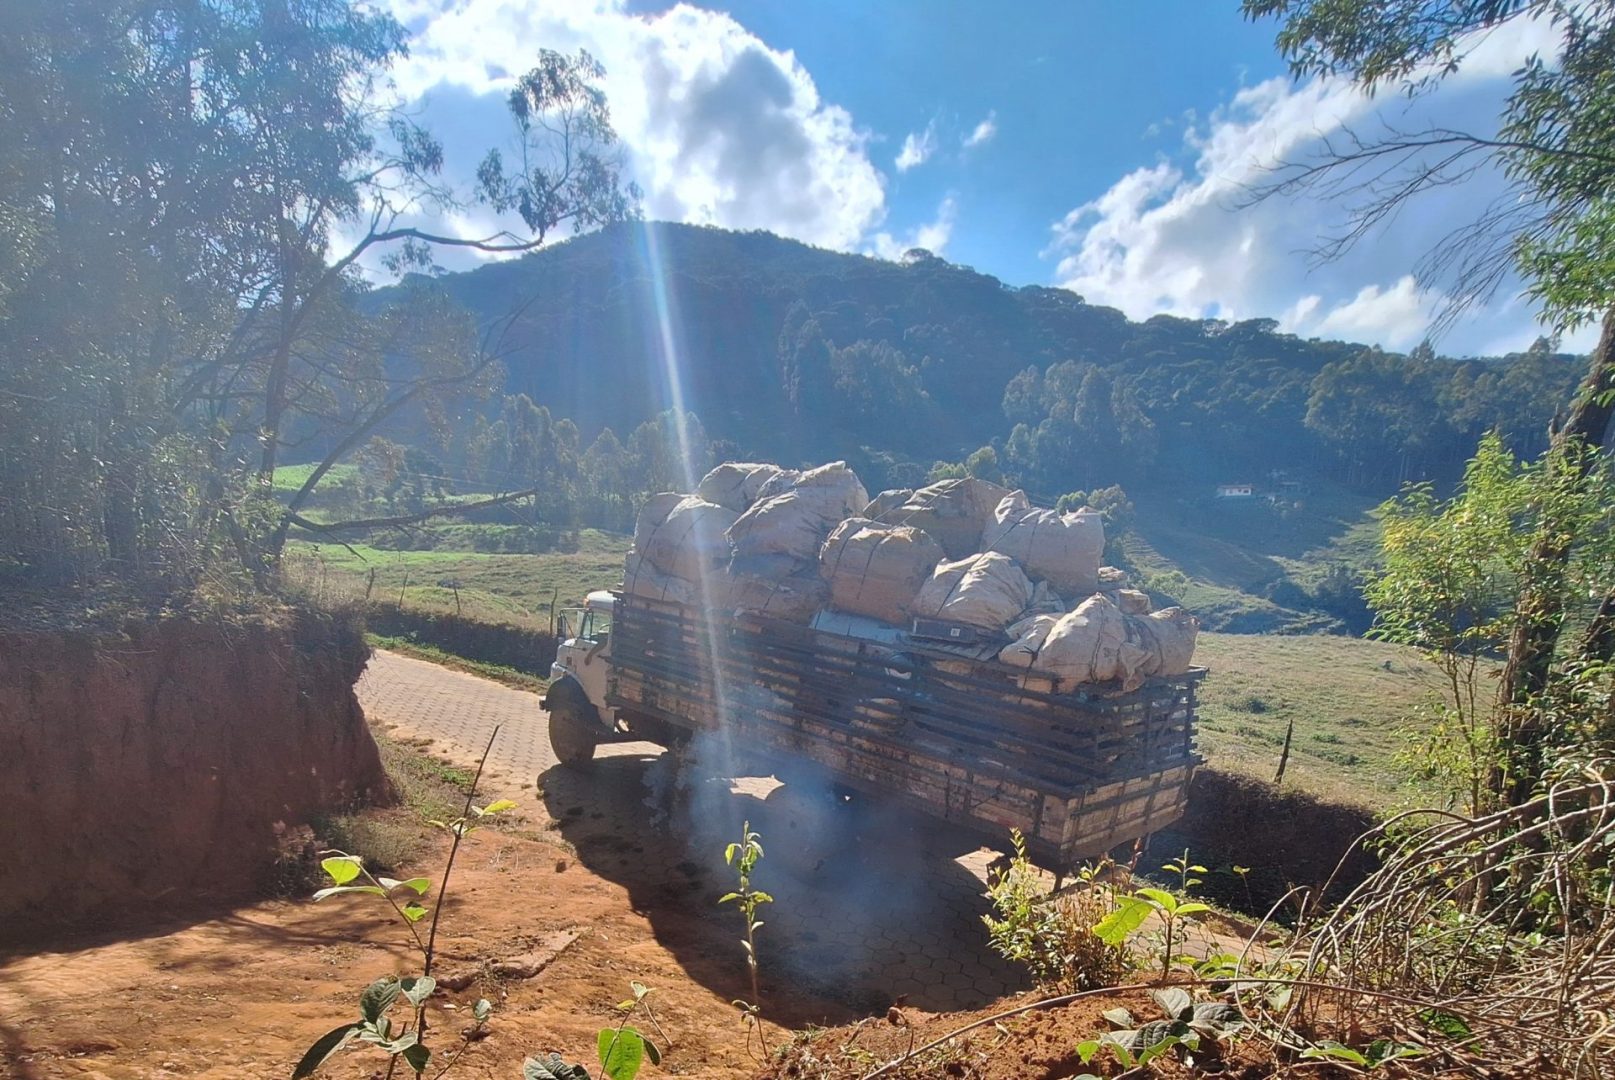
[(621, 1050), (406, 1041), (744, 857), (1187, 1027)]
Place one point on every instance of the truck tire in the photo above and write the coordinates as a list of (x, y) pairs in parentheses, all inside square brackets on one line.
[(572, 733)]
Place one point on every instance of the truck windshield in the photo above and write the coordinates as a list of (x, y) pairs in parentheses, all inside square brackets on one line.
[(596, 626)]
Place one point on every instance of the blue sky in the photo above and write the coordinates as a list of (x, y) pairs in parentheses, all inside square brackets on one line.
[(1104, 147), (1079, 94)]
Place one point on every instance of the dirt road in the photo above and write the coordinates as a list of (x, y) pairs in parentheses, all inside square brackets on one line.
[(893, 919), (601, 878)]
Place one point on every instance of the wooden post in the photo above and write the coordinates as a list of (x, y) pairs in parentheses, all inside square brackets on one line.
[(402, 588), (1284, 756)]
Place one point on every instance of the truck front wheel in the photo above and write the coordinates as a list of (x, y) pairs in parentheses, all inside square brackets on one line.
[(572, 734)]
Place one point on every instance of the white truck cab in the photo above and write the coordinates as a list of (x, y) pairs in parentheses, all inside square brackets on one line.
[(576, 699)]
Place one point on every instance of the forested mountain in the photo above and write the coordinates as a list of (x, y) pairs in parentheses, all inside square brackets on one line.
[(794, 353)]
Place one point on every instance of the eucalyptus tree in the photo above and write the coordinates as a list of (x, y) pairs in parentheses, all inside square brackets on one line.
[(1554, 144), (193, 192)]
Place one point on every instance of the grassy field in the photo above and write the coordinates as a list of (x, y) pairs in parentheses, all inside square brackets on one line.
[(289, 478), (1236, 555), (492, 587), (1349, 698)]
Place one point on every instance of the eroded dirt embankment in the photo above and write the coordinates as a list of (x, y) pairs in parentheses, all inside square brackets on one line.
[(166, 761)]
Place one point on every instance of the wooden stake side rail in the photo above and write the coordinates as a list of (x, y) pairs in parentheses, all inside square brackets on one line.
[(1076, 773)]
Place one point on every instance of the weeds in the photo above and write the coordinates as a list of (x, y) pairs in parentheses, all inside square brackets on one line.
[(350, 876), (1054, 936)]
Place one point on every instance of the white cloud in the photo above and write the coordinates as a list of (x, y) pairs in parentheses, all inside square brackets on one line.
[(918, 146), (1182, 235), (718, 128), (932, 236), (982, 132)]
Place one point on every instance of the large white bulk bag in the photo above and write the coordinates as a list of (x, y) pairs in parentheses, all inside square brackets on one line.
[(985, 591), (735, 485), (652, 515), (954, 512), (1169, 636), (888, 500), (1062, 549), (797, 522), (1090, 645), (778, 484), (640, 578), (876, 570), (1029, 635), (691, 543), (794, 598)]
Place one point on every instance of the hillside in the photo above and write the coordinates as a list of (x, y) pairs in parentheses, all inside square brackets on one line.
[(792, 353)]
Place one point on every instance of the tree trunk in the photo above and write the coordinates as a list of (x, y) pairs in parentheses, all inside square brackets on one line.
[(1539, 611)]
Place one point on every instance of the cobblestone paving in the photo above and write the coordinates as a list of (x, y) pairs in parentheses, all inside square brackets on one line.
[(896, 913)]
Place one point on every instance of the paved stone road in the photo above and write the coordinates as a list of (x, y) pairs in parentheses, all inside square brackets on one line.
[(897, 914)]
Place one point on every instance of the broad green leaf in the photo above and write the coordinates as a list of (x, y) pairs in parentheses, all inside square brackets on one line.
[(323, 1048), (1382, 1050), (342, 868), (402, 1043), (418, 990), (1453, 1027), (1216, 1016), (1176, 1001), (1160, 897), (1121, 1043), (1192, 909), (1115, 928), (651, 1052), (622, 1051), (1329, 1050), (1087, 1049), (1118, 1016), (378, 997), (498, 806), (417, 1057), (726, 897), (482, 1010), (414, 912), (639, 989), (368, 890), (761, 897), (418, 884)]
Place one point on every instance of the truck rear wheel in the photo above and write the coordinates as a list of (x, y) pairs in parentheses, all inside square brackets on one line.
[(572, 734)]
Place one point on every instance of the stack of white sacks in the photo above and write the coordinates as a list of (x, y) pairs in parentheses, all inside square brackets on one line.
[(789, 544)]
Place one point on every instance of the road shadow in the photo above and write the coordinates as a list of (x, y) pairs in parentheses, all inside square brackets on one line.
[(868, 910)]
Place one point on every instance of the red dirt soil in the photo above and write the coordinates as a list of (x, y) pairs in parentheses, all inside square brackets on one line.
[(242, 992)]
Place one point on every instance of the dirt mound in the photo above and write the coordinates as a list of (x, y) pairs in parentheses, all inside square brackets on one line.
[(1039, 1044), (168, 759)]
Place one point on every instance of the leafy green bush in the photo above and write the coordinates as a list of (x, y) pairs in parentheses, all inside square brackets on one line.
[(1053, 937)]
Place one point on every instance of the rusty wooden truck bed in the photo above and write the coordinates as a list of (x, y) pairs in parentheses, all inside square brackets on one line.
[(963, 741)]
